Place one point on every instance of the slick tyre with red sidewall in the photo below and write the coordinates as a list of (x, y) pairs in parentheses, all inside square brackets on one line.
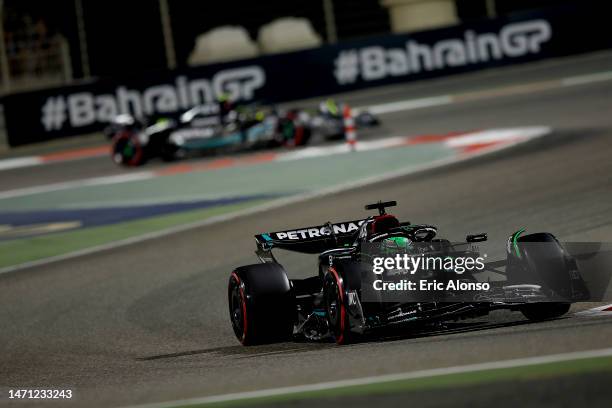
[(126, 150), (336, 304), (261, 304)]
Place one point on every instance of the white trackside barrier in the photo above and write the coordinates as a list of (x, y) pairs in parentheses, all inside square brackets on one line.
[(287, 34), (223, 44)]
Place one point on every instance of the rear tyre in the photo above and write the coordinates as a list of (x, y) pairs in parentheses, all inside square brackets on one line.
[(293, 134), (336, 305), (301, 135), (261, 304), (545, 311)]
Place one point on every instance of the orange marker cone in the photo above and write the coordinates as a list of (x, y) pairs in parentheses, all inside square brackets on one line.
[(350, 132)]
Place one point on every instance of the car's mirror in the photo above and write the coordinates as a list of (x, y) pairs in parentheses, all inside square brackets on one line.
[(476, 237)]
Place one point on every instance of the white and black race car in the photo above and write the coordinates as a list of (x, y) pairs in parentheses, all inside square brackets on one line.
[(223, 126), (340, 300)]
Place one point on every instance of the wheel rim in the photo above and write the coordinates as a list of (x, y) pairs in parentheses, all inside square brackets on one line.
[(332, 304)]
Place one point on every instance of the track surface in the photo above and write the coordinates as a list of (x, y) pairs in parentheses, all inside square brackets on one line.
[(149, 322)]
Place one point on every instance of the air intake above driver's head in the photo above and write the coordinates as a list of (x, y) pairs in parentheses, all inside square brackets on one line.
[(384, 223)]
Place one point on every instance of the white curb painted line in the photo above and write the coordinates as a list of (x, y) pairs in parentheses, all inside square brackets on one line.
[(587, 79), (8, 164), (268, 206), (497, 135), (410, 104), (605, 310), (95, 181), (360, 146), (493, 365)]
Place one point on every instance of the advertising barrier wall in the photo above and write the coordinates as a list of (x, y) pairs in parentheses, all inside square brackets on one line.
[(61, 112)]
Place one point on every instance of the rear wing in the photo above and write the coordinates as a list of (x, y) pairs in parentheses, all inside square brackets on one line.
[(310, 240)]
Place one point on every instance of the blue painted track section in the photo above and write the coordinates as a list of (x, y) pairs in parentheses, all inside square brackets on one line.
[(93, 217)]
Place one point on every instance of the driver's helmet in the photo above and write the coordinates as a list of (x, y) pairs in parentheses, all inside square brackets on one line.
[(260, 115), (225, 104), (396, 245), (329, 107), (223, 97)]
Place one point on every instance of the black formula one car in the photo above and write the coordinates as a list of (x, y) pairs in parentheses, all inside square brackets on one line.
[(265, 305)]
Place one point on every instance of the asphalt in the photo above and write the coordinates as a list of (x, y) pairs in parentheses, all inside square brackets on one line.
[(149, 322)]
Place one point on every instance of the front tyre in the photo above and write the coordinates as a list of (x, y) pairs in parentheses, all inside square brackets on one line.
[(292, 133), (261, 304), (126, 149)]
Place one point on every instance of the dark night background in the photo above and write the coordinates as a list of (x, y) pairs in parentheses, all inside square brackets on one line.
[(125, 36)]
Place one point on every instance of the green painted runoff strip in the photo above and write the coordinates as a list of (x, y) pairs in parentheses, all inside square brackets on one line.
[(523, 373), (15, 252), (274, 178)]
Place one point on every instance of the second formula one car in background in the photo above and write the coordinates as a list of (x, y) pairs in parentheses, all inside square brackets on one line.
[(209, 128), (328, 122), (200, 130), (337, 301)]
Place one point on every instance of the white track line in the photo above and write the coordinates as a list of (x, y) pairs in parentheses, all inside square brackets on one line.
[(409, 104), (96, 181), (587, 79), (493, 365), (18, 162), (440, 100), (264, 207)]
